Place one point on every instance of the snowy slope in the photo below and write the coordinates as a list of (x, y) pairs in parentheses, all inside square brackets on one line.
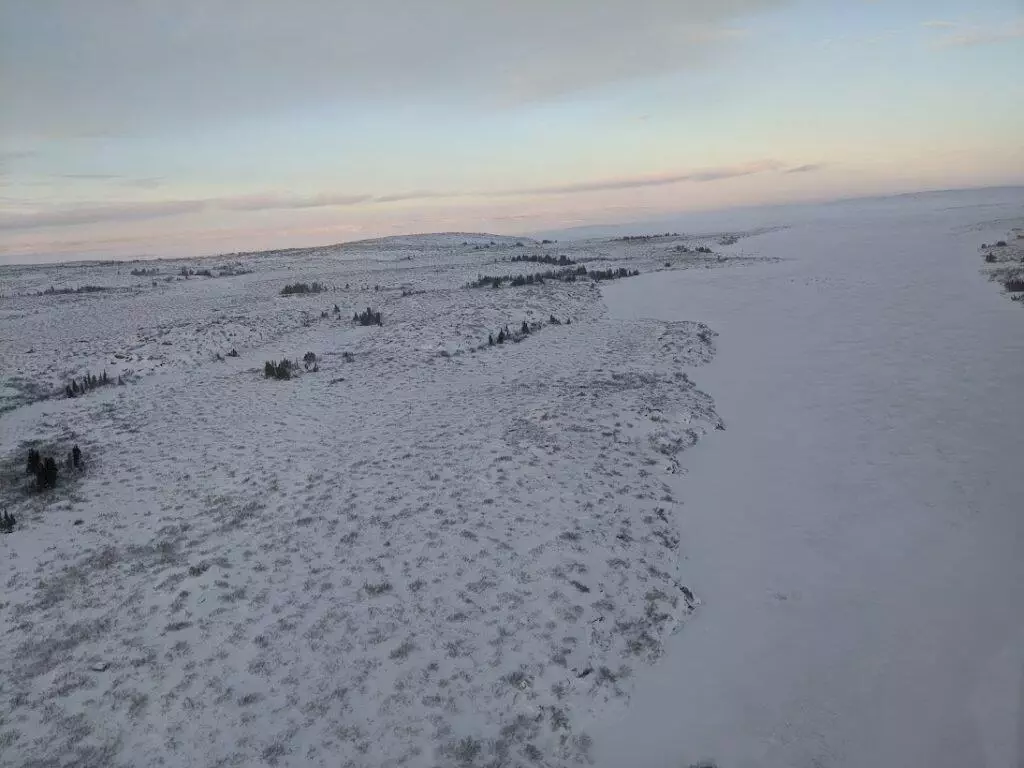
[(429, 551)]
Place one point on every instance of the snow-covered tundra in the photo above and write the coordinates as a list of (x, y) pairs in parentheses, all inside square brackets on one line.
[(458, 537), (442, 538)]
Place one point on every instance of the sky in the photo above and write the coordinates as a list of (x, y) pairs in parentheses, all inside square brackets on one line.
[(140, 128)]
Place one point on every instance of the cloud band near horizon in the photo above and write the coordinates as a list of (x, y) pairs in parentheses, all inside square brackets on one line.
[(67, 216)]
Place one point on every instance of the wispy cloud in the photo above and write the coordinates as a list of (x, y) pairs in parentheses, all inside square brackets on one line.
[(404, 196), (13, 155), (70, 216), (75, 216), (150, 182), (660, 180), (955, 35), (289, 202), (88, 176), (806, 168)]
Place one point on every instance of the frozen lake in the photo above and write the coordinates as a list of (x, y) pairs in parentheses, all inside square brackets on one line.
[(857, 535)]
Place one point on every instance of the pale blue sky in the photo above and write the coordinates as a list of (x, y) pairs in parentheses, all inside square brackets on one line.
[(198, 127)]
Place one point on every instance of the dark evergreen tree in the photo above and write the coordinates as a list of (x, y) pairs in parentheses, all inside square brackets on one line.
[(50, 468), (76, 457)]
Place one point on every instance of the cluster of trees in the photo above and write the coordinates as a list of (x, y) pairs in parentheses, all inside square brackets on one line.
[(45, 469), (612, 274), (1015, 285), (143, 272), (81, 289), (87, 383), (535, 278), (7, 522), (562, 261), (367, 317), (301, 288), (568, 275), (506, 334), (281, 370), (634, 238)]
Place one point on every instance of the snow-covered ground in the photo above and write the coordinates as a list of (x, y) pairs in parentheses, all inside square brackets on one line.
[(429, 551), (434, 551)]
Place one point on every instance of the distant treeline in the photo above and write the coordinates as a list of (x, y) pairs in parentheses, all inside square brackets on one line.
[(570, 275), (561, 261)]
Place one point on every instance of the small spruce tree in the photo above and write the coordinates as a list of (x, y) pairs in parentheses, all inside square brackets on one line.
[(34, 461)]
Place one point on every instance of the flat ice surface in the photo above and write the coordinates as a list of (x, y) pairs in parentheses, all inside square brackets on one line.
[(857, 535)]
